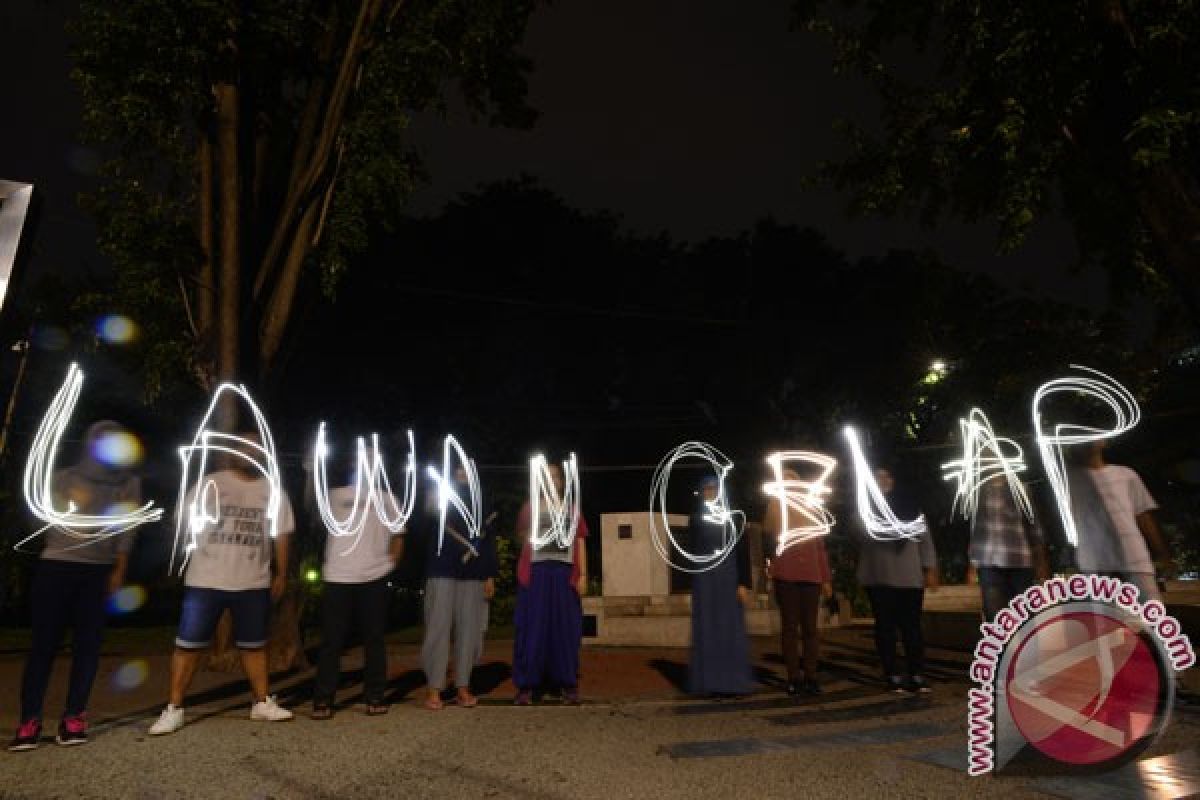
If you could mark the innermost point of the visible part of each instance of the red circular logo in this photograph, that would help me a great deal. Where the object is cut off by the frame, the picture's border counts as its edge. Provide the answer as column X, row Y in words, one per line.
column 1084, row 688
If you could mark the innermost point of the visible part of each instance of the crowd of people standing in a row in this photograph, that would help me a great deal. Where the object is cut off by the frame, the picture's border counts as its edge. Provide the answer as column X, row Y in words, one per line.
column 236, row 566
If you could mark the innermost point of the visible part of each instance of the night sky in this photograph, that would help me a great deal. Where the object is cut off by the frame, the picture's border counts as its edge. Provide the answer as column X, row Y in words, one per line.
column 695, row 117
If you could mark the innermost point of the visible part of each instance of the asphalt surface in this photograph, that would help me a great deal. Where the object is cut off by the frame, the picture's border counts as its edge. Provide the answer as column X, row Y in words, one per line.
column 635, row 736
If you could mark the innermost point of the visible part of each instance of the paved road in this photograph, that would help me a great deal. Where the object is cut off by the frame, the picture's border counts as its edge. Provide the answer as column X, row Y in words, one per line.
column 645, row 742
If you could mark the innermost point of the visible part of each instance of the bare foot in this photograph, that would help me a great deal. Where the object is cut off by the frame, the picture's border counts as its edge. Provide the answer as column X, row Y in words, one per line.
column 466, row 699
column 433, row 700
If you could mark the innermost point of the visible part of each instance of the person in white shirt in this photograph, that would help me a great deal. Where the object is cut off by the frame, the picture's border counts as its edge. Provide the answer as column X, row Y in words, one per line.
column 1114, row 520
column 355, row 588
column 231, row 568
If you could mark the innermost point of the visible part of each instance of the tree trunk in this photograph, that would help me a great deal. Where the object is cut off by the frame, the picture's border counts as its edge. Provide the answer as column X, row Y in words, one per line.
column 206, row 297
column 283, row 293
column 227, row 332
column 1170, row 207
column 229, row 286
column 285, row 648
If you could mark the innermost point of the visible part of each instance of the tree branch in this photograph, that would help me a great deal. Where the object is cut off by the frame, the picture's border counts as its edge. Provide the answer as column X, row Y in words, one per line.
column 302, row 190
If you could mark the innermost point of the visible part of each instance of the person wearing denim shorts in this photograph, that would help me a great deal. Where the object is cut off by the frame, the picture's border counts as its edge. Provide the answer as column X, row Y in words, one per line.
column 231, row 568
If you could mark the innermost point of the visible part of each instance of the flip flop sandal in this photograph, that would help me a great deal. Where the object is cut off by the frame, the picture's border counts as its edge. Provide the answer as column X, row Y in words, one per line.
column 377, row 709
column 434, row 703
column 321, row 711
column 470, row 702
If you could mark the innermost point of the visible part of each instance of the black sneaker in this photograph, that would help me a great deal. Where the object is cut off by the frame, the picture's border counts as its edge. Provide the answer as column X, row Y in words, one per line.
column 811, row 687
column 28, row 736
column 72, row 730
column 897, row 685
column 918, row 684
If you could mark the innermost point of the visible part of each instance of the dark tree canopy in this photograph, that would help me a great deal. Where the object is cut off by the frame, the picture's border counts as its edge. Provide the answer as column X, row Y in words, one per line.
column 1012, row 111
column 247, row 146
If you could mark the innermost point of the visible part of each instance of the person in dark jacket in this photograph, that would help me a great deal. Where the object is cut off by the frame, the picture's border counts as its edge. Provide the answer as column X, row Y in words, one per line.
column 720, row 656
column 460, row 579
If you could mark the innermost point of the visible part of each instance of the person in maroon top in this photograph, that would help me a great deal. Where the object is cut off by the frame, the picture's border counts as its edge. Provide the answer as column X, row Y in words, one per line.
column 801, row 576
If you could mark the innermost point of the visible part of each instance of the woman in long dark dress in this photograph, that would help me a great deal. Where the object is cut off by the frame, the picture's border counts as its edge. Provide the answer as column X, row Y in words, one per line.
column 549, row 615
column 720, row 659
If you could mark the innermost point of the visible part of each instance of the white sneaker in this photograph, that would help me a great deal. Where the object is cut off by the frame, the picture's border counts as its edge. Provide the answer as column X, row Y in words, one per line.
column 268, row 710
column 169, row 721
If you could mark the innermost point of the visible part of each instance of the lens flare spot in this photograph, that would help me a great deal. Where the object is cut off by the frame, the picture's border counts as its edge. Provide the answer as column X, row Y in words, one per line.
column 130, row 675
column 116, row 329
column 128, row 599
column 117, row 449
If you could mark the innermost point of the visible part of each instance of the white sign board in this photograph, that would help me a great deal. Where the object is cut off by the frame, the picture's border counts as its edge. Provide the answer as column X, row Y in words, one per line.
column 14, row 205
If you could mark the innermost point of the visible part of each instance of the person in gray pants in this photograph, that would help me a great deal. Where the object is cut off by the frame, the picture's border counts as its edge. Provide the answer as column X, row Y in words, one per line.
column 459, row 582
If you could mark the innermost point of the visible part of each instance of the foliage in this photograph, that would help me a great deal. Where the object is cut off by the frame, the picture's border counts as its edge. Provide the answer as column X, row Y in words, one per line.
column 1012, row 112
column 325, row 92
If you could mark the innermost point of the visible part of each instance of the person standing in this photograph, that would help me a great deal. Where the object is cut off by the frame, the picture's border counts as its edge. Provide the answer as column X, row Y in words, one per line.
column 720, row 654
column 460, row 579
column 895, row 574
column 231, row 568
column 1114, row 520
column 551, row 581
column 1007, row 550
column 355, row 590
column 800, row 576
column 71, row 586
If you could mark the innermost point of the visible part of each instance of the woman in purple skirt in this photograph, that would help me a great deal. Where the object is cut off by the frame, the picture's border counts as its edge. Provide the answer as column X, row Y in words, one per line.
column 549, row 616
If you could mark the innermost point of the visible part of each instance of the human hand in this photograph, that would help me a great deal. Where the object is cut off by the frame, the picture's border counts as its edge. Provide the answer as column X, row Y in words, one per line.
column 827, row 590
column 489, row 588
column 931, row 579
column 116, row 579
column 745, row 597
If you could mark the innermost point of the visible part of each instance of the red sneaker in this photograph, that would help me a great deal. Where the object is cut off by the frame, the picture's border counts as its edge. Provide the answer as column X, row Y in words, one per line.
column 28, row 736
column 72, row 730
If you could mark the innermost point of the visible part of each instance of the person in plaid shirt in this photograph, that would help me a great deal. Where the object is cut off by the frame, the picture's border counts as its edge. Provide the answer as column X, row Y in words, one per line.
column 1007, row 551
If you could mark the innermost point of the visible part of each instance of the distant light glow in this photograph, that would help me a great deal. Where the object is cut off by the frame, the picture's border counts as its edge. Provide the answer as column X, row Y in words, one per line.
column 468, row 509
column 38, row 483
column 877, row 516
column 118, row 449
column 717, row 511
column 1099, row 387
column 130, row 675
column 372, row 490
column 802, row 510
column 563, row 510
column 201, row 506
column 312, row 576
column 985, row 456
column 116, row 329
column 127, row 599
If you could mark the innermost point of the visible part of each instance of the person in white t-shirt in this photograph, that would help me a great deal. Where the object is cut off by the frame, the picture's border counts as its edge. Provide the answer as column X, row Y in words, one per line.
column 231, row 568
column 1118, row 535
column 355, row 587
